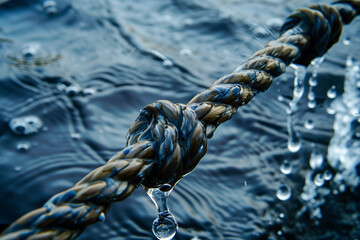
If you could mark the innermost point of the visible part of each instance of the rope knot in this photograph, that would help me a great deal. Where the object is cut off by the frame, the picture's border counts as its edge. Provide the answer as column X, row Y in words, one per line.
column 178, row 139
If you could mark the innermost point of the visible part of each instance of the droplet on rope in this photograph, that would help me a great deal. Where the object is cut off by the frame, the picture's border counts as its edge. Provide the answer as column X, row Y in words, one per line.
column 286, row 167
column 284, row 192
column 331, row 93
column 165, row 225
column 25, row 125
column 102, row 217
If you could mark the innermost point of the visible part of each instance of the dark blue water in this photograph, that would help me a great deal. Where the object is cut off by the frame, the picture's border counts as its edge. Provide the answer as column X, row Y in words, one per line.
column 81, row 70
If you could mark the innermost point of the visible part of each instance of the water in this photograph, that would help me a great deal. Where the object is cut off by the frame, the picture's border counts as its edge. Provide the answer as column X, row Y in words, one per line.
column 83, row 69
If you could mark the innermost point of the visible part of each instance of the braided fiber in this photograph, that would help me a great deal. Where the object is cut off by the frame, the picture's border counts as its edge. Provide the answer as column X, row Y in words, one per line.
column 168, row 140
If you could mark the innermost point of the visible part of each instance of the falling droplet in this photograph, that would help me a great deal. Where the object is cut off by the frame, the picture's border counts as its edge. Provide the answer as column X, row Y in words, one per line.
column 312, row 104
column 284, row 192
column 282, row 215
column 75, row 136
column 164, row 226
column 328, row 175
column 313, row 82
column 23, row 147
column 280, row 233
column 50, row 7
column 311, row 96
column 316, row 160
column 309, row 124
column 319, row 180
column 25, row 125
column 102, row 217
column 331, row 93
column 286, row 167
column 330, row 110
column 294, row 143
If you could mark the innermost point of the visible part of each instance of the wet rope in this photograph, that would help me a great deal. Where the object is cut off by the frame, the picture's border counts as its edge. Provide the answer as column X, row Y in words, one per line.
column 168, row 140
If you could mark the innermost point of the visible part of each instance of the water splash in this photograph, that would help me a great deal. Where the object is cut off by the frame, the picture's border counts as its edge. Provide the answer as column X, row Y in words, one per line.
column 165, row 225
column 313, row 82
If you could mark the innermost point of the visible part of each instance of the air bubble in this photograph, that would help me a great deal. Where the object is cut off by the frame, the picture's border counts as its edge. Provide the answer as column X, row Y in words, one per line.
column 89, row 91
column 25, row 125
column 286, row 167
column 284, row 192
column 331, row 93
column 309, row 124
column 75, row 136
column 23, row 147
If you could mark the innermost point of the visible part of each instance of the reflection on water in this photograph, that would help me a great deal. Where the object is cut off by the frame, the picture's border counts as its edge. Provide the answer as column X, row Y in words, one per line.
column 74, row 74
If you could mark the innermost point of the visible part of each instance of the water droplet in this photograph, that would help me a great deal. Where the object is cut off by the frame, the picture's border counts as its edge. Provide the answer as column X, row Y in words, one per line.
column 313, row 82
column 282, row 215
column 280, row 233
column 342, row 188
column 309, row 124
column 164, row 226
column 245, row 183
column 330, row 110
column 23, row 147
column 280, row 98
column 75, row 136
column 347, row 41
column 284, row 192
column 312, row 104
column 311, row 96
column 316, row 160
column 331, row 93
column 72, row 90
column 25, row 125
column 102, row 217
column 328, row 175
column 210, row 129
column 294, row 145
column 286, row 167
column 89, row 91
column 30, row 50
column 185, row 52
column 319, row 180
column 168, row 63
column 50, row 7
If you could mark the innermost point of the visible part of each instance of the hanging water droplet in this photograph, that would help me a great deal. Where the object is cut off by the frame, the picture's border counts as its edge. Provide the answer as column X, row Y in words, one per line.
column 313, row 82
column 328, row 175
column 330, row 110
column 294, row 144
column 312, row 104
column 164, row 226
column 311, row 96
column 319, row 180
column 284, row 192
column 286, row 167
column 331, row 93
column 346, row 41
column 25, row 125
column 50, row 7
column 23, row 147
column 309, row 124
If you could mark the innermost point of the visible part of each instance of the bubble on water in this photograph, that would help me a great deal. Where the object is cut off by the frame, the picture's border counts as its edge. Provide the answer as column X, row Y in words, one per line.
column 50, row 7
column 312, row 104
column 286, row 167
column 185, row 52
column 331, row 93
column 25, row 125
column 328, row 175
column 30, row 50
column 319, row 180
column 284, row 192
column 346, row 41
column 23, row 147
column 309, row 124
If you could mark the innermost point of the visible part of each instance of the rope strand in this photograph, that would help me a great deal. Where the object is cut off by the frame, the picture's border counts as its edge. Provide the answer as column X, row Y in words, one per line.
column 168, row 140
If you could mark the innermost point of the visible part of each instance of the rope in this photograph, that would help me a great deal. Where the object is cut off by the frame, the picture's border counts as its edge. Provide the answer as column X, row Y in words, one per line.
column 167, row 140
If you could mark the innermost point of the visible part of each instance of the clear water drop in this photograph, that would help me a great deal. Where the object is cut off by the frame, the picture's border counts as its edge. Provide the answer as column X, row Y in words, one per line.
column 286, row 167
column 284, row 192
column 313, row 82
column 280, row 98
column 328, row 175
column 330, row 110
column 316, row 160
column 168, row 63
column 309, row 124
column 50, row 7
column 331, row 93
column 281, row 215
column 311, row 96
column 72, row 90
column 319, row 180
column 312, row 104
column 25, row 125
column 294, row 144
column 23, row 147
column 75, row 136
column 165, row 225
column 185, row 52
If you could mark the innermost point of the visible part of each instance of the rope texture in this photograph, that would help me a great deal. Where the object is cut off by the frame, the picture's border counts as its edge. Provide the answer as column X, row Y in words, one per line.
column 167, row 140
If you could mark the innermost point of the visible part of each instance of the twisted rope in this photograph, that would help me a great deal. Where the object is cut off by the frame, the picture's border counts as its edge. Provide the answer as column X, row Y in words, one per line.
column 168, row 140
